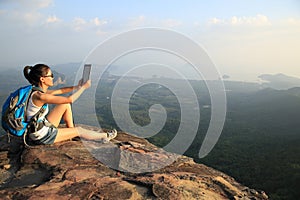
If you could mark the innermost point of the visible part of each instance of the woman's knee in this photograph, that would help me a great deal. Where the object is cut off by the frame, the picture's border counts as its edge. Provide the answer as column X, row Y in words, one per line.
column 67, row 105
column 60, row 111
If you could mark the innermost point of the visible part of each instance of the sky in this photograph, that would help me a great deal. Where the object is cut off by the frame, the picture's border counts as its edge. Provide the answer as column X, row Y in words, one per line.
column 243, row 38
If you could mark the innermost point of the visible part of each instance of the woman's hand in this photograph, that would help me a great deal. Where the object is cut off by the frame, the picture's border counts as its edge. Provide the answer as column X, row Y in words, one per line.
column 87, row 84
column 80, row 82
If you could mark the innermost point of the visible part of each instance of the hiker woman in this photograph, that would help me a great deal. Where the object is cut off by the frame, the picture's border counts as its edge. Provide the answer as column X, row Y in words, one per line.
column 47, row 131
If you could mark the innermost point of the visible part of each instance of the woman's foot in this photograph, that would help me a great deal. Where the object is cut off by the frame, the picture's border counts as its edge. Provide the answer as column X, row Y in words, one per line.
column 91, row 134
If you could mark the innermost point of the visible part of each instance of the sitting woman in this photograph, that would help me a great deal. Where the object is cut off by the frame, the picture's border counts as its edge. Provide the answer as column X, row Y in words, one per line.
column 48, row 132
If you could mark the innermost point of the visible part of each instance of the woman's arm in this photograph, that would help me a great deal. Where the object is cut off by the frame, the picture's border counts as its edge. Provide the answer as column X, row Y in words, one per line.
column 53, row 99
column 63, row 90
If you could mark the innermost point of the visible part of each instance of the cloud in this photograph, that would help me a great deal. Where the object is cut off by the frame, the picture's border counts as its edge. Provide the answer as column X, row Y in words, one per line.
column 79, row 23
column 42, row 3
column 258, row 20
column 171, row 23
column 94, row 25
column 257, row 43
column 52, row 19
column 292, row 21
column 98, row 22
column 26, row 12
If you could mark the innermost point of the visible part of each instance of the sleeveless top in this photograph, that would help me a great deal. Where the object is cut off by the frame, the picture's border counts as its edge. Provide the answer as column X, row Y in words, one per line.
column 32, row 109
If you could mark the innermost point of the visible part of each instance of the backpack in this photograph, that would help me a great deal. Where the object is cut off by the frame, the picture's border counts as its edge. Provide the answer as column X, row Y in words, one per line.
column 14, row 111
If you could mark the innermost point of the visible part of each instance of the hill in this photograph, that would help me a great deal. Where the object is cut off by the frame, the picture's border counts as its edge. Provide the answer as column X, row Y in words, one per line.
column 279, row 81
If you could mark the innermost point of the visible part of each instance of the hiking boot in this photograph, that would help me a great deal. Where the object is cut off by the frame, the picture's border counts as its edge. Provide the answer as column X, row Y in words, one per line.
column 110, row 135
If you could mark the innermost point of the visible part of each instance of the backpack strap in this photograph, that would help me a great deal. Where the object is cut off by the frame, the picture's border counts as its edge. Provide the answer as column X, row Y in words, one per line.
column 37, row 115
column 34, row 119
column 37, row 88
column 43, row 108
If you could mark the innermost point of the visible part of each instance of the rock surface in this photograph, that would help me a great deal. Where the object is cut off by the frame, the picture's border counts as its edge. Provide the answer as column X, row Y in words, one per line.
column 69, row 170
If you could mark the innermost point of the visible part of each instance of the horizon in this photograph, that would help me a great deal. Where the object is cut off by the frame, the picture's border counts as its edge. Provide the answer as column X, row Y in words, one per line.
column 243, row 39
column 259, row 80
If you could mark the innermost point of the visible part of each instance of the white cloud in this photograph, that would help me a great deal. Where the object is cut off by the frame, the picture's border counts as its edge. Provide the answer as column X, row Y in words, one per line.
column 43, row 3
column 171, row 23
column 258, row 20
column 79, row 23
column 52, row 19
column 99, row 22
column 256, row 44
column 95, row 25
column 26, row 12
column 216, row 21
column 292, row 21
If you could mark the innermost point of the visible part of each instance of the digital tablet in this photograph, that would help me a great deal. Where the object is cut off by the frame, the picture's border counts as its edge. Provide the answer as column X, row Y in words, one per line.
column 86, row 72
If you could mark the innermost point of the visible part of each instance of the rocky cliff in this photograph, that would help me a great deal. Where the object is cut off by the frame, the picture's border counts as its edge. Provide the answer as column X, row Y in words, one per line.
column 69, row 170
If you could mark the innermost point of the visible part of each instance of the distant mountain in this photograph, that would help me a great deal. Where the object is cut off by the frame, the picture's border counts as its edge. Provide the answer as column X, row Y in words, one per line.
column 241, row 87
column 294, row 91
column 279, row 81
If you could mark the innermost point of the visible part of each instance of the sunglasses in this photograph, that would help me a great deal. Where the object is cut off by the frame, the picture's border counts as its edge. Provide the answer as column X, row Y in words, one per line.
column 51, row 75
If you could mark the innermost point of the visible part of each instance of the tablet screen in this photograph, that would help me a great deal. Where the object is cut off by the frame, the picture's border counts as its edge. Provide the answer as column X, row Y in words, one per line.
column 86, row 72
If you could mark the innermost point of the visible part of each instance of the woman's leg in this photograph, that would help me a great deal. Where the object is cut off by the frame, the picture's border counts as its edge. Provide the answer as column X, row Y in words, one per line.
column 64, row 111
column 61, row 111
column 69, row 133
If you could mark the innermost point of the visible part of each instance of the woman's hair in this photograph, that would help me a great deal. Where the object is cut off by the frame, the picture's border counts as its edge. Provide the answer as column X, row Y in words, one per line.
column 33, row 74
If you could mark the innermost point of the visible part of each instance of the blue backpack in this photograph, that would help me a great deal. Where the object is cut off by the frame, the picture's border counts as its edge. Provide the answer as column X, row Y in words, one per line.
column 14, row 111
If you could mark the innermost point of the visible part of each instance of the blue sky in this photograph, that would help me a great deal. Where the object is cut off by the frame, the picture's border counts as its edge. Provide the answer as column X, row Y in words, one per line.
column 186, row 10
column 243, row 38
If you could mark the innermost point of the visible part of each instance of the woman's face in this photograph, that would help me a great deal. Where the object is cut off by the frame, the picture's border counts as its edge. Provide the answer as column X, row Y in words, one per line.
column 48, row 79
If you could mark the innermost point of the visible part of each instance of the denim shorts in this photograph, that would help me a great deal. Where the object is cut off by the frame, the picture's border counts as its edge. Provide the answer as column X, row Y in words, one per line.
column 49, row 138
column 50, row 135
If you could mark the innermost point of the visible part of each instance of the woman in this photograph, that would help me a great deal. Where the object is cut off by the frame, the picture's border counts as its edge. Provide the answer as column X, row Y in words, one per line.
column 41, row 76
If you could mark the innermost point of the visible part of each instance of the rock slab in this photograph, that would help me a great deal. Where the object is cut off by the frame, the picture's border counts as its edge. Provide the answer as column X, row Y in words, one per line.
column 69, row 170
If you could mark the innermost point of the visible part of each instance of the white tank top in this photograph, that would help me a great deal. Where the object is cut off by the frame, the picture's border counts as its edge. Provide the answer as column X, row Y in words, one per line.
column 32, row 109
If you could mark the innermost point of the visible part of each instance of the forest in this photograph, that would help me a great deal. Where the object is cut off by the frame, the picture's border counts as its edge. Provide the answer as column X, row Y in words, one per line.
column 259, row 144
